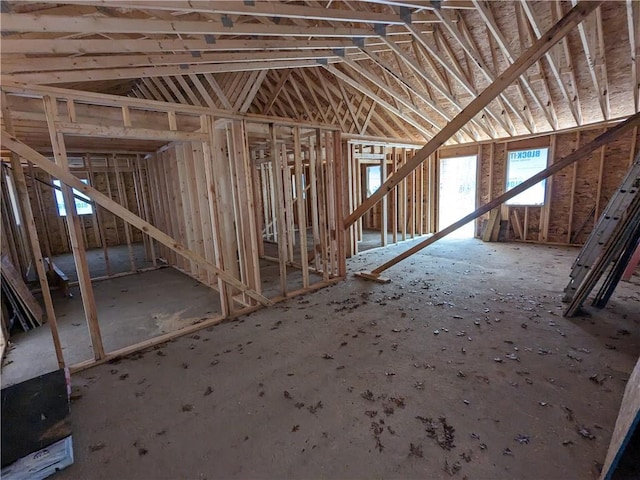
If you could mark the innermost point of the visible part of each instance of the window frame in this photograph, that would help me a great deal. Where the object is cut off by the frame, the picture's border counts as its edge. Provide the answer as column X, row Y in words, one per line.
column 59, row 199
column 366, row 180
column 543, row 202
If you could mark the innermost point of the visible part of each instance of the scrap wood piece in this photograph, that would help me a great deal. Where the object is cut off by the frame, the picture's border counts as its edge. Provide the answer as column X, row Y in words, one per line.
column 65, row 176
column 627, row 422
column 22, row 292
column 602, row 139
column 373, row 276
column 517, row 227
column 57, row 277
column 493, row 224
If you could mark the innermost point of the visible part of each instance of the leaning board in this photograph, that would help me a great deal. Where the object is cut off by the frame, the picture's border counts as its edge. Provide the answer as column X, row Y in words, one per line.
column 628, row 420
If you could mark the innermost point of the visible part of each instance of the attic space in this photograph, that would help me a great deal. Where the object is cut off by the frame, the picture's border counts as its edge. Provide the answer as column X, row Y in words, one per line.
column 320, row 239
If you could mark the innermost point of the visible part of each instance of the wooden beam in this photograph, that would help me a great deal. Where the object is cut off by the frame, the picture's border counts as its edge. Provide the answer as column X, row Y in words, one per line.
column 195, row 81
column 71, row 180
column 186, row 88
column 402, row 80
column 465, row 42
column 18, row 64
column 174, row 89
column 553, row 65
column 311, row 90
column 603, row 139
column 248, row 100
column 634, row 43
column 362, row 88
column 595, row 60
column 556, row 13
column 102, row 131
column 276, row 91
column 456, row 73
column 161, row 71
column 73, row 224
column 213, row 83
column 64, row 46
column 528, row 58
column 254, row 9
column 485, row 12
column 27, row 22
column 301, row 206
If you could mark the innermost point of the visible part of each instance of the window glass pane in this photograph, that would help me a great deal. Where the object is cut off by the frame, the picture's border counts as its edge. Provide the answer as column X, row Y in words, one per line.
column 82, row 207
column 12, row 199
column 522, row 165
column 374, row 180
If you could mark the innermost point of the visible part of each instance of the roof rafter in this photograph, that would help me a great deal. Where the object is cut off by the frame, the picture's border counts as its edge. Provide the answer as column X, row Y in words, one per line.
column 487, row 16
column 574, row 107
column 592, row 26
column 634, row 42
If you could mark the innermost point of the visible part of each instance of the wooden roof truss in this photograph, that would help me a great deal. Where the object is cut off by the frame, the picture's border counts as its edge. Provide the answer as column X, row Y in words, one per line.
column 401, row 69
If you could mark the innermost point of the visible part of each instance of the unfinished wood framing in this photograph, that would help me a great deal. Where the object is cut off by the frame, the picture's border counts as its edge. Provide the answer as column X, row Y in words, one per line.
column 206, row 225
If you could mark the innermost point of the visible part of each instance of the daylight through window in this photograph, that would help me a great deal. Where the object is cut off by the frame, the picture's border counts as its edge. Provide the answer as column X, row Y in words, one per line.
column 522, row 165
column 82, row 207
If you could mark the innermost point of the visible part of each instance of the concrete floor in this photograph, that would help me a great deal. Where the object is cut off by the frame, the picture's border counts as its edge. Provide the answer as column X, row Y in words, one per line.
column 372, row 239
column 119, row 261
column 462, row 366
column 131, row 309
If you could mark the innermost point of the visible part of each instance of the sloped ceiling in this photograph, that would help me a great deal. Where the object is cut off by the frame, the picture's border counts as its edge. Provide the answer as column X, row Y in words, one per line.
column 401, row 69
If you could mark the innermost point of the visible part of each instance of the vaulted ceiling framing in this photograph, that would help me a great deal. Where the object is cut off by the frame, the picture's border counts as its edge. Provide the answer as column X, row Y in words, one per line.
column 399, row 69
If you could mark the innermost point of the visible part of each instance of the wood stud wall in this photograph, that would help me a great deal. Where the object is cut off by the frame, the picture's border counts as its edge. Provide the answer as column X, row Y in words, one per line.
column 235, row 193
column 196, row 203
column 407, row 211
column 575, row 197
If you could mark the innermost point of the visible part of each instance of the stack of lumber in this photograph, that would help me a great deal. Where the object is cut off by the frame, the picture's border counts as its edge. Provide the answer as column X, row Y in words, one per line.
column 26, row 309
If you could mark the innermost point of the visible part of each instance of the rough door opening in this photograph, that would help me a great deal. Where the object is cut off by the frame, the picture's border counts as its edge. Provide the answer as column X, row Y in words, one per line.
column 457, row 192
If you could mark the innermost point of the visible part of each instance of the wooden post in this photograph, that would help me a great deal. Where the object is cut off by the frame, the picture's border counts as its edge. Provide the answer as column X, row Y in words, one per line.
column 384, row 207
column 322, row 203
column 99, row 218
column 209, row 149
column 574, row 176
column 313, row 192
column 77, row 245
column 394, row 198
column 277, row 165
column 45, row 224
column 548, row 198
column 32, row 233
column 341, row 204
column 122, row 196
column 115, row 219
column 302, row 217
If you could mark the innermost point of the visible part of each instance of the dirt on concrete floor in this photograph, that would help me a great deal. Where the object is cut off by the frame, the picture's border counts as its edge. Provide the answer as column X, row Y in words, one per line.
column 462, row 367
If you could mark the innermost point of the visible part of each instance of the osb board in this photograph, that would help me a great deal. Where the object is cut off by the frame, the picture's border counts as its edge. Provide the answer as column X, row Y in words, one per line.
column 561, row 190
column 628, row 420
column 563, row 215
column 586, row 190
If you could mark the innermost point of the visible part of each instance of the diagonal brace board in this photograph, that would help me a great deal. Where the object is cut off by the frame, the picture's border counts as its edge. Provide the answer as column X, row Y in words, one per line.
column 526, row 60
column 580, row 153
column 71, row 180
